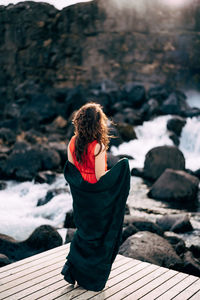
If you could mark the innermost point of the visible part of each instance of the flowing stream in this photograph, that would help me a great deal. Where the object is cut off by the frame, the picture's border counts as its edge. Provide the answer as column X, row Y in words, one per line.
column 19, row 214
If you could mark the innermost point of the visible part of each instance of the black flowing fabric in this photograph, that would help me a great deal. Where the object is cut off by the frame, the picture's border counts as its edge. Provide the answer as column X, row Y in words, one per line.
column 98, row 215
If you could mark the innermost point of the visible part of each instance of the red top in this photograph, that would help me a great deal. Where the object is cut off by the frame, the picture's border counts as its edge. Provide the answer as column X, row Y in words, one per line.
column 87, row 168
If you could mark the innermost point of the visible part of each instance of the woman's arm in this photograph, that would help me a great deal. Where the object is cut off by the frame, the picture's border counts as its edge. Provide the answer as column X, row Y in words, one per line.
column 69, row 155
column 100, row 162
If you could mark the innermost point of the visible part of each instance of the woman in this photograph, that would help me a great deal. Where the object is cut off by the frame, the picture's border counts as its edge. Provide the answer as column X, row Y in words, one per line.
column 99, row 199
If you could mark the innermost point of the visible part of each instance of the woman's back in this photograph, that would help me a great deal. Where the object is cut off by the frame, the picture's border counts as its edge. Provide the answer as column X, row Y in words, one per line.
column 87, row 167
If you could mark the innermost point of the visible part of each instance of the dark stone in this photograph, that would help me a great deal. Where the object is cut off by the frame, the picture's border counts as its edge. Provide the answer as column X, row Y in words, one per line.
column 51, row 194
column 137, row 172
column 143, row 224
column 175, row 185
column 4, row 260
column 43, row 238
column 7, row 136
column 70, row 235
column 195, row 249
column 3, row 185
column 179, row 223
column 75, row 99
column 134, row 94
column 127, row 210
column 177, row 243
column 176, row 125
column 128, row 231
column 175, row 104
column 174, row 138
column 159, row 93
column 197, row 173
column 152, row 248
column 69, row 220
column 45, row 177
column 191, row 264
column 126, row 132
column 150, row 109
column 160, row 158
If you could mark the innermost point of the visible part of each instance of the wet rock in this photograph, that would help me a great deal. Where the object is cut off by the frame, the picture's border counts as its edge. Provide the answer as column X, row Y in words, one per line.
column 176, row 125
column 159, row 93
column 69, row 220
column 45, row 177
column 150, row 109
column 3, row 185
column 174, row 138
column 195, row 249
column 43, row 238
column 197, row 173
column 175, row 104
column 139, row 172
column 128, row 231
column 70, row 235
column 115, row 139
column 7, row 136
column 179, row 223
column 152, row 248
column 51, row 194
column 126, row 132
column 135, row 94
column 4, row 260
column 175, row 185
column 177, row 243
column 75, row 99
column 142, row 224
column 127, row 210
column 160, row 158
column 191, row 264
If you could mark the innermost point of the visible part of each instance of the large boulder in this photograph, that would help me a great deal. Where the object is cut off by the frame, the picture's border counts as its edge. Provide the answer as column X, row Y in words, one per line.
column 175, row 185
column 43, row 238
column 152, row 248
column 175, row 104
column 160, row 158
column 135, row 94
column 178, row 223
column 142, row 224
column 191, row 264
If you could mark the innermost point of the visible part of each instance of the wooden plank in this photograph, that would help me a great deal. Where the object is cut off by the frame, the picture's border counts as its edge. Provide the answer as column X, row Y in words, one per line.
column 145, row 289
column 30, row 264
column 175, row 290
column 134, row 286
column 124, row 282
column 196, row 296
column 165, row 286
column 32, row 269
column 87, row 294
column 30, row 281
column 189, row 291
column 33, row 258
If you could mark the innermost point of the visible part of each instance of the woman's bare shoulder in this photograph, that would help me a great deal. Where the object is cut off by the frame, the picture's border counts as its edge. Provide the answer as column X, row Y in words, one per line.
column 98, row 147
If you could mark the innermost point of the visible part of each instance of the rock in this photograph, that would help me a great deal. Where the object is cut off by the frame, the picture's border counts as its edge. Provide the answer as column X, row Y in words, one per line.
column 3, row 185
column 7, row 136
column 70, row 235
column 191, row 264
column 69, row 220
column 160, row 158
column 142, row 224
column 135, row 94
column 152, row 248
column 128, row 231
column 45, row 177
column 175, row 104
column 137, row 172
column 175, row 185
column 197, row 173
column 132, row 116
column 126, row 132
column 127, row 210
column 179, row 223
column 150, row 109
column 76, row 97
column 43, row 238
column 51, row 194
column 159, row 93
column 176, row 125
column 4, row 260
column 195, row 249
column 174, row 138
column 177, row 243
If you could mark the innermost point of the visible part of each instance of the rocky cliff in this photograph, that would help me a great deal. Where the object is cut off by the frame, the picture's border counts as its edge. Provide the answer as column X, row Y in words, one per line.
column 145, row 41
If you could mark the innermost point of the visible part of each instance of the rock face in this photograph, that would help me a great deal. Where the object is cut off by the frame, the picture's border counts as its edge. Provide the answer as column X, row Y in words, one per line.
column 150, row 247
column 175, row 186
column 44, row 47
column 160, row 158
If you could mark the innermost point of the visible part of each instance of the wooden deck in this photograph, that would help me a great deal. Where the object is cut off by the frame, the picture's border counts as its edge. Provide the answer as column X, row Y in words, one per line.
column 38, row 277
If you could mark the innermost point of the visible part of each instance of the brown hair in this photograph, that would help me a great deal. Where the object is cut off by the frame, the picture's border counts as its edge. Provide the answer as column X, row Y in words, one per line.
column 90, row 124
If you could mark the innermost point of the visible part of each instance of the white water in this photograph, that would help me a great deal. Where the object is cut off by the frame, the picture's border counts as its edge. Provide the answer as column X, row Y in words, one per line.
column 19, row 214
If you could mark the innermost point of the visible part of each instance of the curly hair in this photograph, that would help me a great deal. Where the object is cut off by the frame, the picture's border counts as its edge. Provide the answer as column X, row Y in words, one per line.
column 90, row 123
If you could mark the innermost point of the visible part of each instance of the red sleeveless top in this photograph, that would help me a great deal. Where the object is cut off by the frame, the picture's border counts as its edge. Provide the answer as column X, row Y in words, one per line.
column 87, row 168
